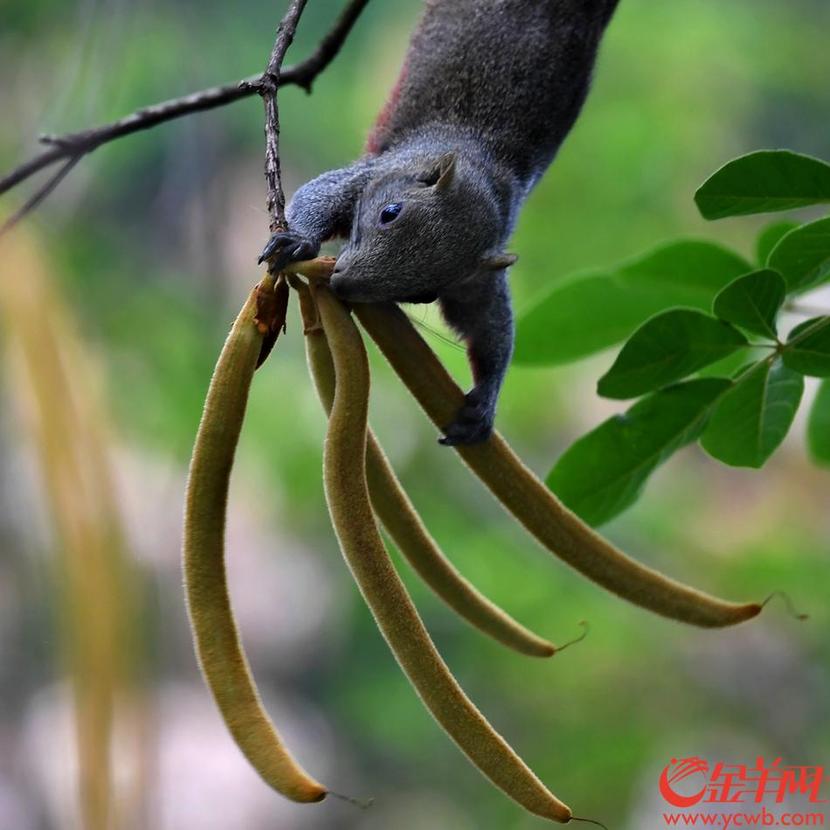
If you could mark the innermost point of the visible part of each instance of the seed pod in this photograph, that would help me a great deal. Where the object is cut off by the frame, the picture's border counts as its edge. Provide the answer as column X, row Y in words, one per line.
column 272, row 308
column 218, row 646
column 351, row 512
column 398, row 515
column 528, row 499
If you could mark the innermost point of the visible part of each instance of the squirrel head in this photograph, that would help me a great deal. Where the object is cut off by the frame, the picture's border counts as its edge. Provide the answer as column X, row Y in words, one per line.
column 417, row 231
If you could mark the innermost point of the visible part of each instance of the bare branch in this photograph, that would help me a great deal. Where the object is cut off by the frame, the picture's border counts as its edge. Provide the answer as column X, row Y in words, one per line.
column 267, row 87
column 76, row 145
column 329, row 47
column 51, row 183
column 30, row 167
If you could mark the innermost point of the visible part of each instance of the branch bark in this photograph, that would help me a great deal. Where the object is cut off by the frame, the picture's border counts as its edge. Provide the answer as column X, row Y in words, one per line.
column 267, row 86
column 40, row 194
column 75, row 145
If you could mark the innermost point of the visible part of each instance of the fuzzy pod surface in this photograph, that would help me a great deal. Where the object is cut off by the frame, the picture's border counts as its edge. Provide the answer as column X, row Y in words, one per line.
column 396, row 616
column 218, row 645
column 401, row 520
column 528, row 499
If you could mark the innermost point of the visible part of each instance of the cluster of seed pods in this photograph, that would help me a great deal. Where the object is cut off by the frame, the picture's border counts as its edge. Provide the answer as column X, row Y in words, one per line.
column 362, row 490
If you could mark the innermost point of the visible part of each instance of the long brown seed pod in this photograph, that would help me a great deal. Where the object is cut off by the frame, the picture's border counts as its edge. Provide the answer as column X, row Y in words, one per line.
column 351, row 512
column 398, row 515
column 528, row 499
column 218, row 646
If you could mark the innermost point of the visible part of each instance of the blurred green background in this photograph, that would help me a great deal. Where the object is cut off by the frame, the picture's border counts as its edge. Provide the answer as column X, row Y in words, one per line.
column 153, row 242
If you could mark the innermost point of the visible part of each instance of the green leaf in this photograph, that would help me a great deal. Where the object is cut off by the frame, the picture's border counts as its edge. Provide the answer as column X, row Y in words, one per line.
column 818, row 425
column 692, row 269
column 605, row 471
column 752, row 302
column 666, row 348
column 770, row 237
column 803, row 255
column 808, row 348
column 591, row 312
column 729, row 366
column 580, row 317
column 764, row 181
column 754, row 416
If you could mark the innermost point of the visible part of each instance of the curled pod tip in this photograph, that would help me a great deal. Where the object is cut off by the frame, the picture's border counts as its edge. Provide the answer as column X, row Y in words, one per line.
column 218, row 646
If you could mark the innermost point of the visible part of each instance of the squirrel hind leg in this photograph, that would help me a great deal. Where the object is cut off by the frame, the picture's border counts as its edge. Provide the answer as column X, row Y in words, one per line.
column 474, row 422
column 482, row 315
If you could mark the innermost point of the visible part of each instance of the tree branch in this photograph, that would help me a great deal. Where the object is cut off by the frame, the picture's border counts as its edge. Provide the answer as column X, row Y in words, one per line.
column 40, row 194
column 78, row 144
column 267, row 87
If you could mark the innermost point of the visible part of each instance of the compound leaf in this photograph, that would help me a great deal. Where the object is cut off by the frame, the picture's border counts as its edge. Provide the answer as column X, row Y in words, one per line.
column 666, row 348
column 590, row 312
column 818, row 425
column 753, row 417
column 803, row 256
column 752, row 302
column 605, row 471
column 808, row 348
column 764, row 181
column 769, row 237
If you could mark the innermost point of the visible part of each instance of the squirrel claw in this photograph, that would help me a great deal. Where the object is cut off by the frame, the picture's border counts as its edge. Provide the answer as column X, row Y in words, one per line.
column 286, row 247
column 472, row 425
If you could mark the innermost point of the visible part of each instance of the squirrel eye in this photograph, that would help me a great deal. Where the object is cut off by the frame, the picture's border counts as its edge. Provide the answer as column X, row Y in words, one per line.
column 390, row 213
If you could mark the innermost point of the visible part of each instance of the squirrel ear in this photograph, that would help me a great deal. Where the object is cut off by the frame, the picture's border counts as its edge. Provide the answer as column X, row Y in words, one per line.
column 441, row 173
column 498, row 261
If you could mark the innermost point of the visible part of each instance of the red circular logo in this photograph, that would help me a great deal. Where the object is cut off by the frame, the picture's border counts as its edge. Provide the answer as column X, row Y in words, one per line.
column 677, row 771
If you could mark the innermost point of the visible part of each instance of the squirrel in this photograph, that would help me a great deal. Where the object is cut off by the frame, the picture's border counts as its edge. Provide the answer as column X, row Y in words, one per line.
column 487, row 94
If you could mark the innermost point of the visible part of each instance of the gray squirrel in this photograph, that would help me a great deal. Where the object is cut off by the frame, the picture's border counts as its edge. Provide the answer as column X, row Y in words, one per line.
column 488, row 92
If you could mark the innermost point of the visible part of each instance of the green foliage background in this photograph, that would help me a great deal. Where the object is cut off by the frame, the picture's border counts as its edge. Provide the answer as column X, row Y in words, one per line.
column 154, row 241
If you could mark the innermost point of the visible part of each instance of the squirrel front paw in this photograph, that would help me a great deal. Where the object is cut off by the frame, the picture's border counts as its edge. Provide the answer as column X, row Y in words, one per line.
column 474, row 422
column 286, row 247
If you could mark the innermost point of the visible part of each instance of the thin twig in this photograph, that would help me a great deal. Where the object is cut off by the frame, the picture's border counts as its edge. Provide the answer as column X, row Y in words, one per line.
column 267, row 86
column 40, row 194
column 78, row 144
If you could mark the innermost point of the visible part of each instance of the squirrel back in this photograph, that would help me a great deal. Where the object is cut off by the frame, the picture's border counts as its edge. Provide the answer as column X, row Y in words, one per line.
column 513, row 73
column 488, row 92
